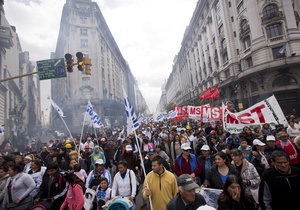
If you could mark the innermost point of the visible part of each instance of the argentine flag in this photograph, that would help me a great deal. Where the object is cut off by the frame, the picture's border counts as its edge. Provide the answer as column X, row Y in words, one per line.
column 132, row 121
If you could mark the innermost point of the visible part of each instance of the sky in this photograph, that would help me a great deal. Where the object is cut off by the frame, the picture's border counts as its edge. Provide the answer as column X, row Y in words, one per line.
column 147, row 32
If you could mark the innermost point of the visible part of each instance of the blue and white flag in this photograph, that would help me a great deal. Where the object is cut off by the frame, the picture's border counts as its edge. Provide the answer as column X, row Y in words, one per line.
column 158, row 117
column 1, row 131
column 60, row 112
column 132, row 121
column 95, row 119
column 171, row 114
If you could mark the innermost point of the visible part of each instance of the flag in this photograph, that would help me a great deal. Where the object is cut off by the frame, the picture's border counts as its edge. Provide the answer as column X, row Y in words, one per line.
column 215, row 93
column 1, row 131
column 60, row 112
column 282, row 49
column 158, row 117
column 93, row 116
column 132, row 120
column 206, row 94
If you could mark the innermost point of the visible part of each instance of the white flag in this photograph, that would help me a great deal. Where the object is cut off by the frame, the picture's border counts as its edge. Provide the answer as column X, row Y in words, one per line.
column 93, row 116
column 132, row 120
column 60, row 112
column 282, row 49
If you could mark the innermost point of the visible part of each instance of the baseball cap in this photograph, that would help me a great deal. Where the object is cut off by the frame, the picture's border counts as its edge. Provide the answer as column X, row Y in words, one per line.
column 271, row 138
column 186, row 181
column 99, row 161
column 128, row 147
column 205, row 147
column 206, row 207
column 185, row 146
column 258, row 142
column 151, row 151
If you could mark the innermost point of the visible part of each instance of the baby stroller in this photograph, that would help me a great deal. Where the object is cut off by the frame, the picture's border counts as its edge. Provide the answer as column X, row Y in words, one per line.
column 44, row 204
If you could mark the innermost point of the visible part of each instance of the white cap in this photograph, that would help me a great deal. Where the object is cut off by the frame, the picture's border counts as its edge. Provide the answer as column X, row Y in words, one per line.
column 206, row 207
column 185, row 146
column 258, row 142
column 271, row 138
column 205, row 147
column 99, row 161
column 128, row 147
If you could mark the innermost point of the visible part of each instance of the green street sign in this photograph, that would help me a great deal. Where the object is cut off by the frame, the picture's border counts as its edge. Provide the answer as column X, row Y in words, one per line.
column 52, row 68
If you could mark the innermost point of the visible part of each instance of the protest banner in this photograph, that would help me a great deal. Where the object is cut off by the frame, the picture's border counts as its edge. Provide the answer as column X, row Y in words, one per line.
column 266, row 111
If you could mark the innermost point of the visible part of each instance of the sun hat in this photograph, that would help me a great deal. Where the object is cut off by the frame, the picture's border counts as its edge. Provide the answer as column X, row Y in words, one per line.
column 185, row 146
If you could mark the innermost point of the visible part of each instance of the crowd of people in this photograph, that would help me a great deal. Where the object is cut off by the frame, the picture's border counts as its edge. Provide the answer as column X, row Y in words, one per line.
column 168, row 162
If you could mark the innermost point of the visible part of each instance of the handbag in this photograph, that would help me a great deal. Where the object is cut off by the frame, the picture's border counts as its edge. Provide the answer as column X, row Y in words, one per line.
column 25, row 204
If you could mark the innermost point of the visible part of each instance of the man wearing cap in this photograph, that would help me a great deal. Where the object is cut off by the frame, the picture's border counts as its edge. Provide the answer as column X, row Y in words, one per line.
column 206, row 159
column 187, row 198
column 99, row 171
column 160, row 184
column 271, row 145
column 131, row 159
column 262, row 160
column 148, row 162
column 187, row 163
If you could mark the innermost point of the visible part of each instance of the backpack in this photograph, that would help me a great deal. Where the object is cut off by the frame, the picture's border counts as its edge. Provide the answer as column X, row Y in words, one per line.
column 137, row 185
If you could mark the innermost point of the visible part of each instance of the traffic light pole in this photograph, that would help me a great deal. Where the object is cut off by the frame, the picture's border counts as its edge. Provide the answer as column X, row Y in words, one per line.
column 19, row 76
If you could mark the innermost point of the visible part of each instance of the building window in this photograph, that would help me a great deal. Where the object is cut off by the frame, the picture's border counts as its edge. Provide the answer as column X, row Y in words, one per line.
column 274, row 30
column 86, row 94
column 254, row 87
column 270, row 11
column 227, row 73
column 278, row 52
column 83, row 19
column 85, row 81
column 244, row 25
column 225, row 57
column 249, row 62
column 221, row 29
column 247, row 42
column 223, row 45
column 284, row 80
column 84, row 43
column 240, row 7
column 83, row 32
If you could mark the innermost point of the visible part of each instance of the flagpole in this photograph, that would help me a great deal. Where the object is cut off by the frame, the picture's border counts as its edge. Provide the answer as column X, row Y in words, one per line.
column 67, row 128
column 143, row 167
column 81, row 135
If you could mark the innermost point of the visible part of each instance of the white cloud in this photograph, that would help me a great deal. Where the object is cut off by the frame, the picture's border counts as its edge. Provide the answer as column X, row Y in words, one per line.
column 148, row 33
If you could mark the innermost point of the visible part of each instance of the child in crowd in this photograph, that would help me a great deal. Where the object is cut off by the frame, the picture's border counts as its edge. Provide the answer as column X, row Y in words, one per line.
column 246, row 149
column 81, row 173
column 103, row 192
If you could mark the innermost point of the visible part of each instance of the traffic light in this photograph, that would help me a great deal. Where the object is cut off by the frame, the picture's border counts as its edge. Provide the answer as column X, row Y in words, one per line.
column 69, row 61
column 88, row 64
column 80, row 61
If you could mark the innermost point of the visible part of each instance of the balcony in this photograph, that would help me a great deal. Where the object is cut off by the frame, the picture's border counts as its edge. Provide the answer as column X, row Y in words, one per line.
column 244, row 32
column 6, row 37
column 275, row 16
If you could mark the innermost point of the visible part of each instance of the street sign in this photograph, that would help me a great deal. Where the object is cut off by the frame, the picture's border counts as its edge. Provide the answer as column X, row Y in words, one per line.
column 52, row 68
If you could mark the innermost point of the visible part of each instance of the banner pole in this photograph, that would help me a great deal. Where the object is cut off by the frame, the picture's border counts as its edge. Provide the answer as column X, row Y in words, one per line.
column 143, row 167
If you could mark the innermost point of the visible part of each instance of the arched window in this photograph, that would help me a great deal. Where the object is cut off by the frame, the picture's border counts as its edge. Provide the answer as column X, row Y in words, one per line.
column 270, row 11
column 284, row 80
column 254, row 87
column 244, row 25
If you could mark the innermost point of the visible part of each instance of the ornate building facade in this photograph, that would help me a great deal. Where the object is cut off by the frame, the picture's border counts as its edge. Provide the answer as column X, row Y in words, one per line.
column 249, row 48
column 84, row 29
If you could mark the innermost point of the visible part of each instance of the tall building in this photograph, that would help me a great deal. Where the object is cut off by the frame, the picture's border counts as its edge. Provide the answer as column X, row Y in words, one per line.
column 84, row 29
column 250, row 49
column 19, row 96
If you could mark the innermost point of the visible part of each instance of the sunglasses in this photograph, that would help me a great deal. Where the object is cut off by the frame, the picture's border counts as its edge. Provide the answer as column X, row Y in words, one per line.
column 186, row 150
